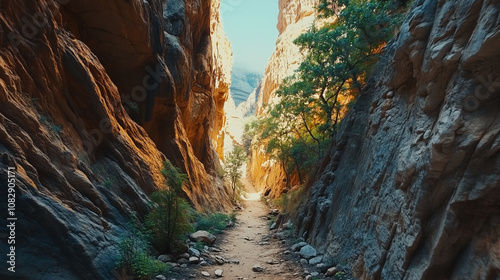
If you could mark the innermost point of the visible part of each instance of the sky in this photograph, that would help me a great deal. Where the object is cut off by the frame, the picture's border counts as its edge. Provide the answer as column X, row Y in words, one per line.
column 250, row 25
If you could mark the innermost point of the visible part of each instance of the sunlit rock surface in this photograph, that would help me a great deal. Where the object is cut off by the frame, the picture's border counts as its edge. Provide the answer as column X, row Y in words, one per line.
column 69, row 74
column 411, row 188
column 295, row 18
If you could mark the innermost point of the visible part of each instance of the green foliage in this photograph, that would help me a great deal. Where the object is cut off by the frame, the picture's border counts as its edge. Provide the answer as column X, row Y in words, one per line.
column 233, row 163
column 134, row 257
column 313, row 101
column 170, row 217
column 213, row 222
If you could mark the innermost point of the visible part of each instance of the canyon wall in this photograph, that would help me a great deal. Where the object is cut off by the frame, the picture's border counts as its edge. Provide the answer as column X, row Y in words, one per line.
column 94, row 97
column 295, row 17
column 411, row 188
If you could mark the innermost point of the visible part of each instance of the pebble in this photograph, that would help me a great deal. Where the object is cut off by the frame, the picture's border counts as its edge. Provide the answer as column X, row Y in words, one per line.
column 194, row 252
column 203, row 263
column 307, row 252
column 331, row 271
column 182, row 261
column 316, row 260
column 160, row 277
column 257, row 268
column 308, row 277
column 184, row 256
column 206, row 274
column 297, row 246
column 218, row 273
column 194, row 260
column 164, row 258
column 303, row 261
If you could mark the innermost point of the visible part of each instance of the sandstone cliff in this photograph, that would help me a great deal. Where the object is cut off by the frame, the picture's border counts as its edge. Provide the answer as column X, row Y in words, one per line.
column 295, row 17
column 71, row 74
column 411, row 188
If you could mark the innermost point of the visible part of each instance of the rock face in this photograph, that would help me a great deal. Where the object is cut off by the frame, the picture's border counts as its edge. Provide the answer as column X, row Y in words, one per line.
column 243, row 84
column 410, row 189
column 68, row 78
column 295, row 17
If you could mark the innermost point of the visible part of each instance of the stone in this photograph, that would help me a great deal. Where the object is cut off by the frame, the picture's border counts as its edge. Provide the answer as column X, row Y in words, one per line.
column 203, row 236
column 164, row 258
column 205, row 273
column 160, row 277
column 194, row 252
column 194, row 260
column 257, row 268
column 309, row 277
column 203, row 263
column 182, row 261
column 314, row 274
column 297, row 246
column 218, row 273
column 183, row 256
column 331, row 271
column 273, row 226
column 322, row 267
column 307, row 252
column 316, row 260
column 303, row 261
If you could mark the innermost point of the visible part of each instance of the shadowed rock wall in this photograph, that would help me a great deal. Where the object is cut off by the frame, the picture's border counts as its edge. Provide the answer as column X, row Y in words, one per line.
column 411, row 188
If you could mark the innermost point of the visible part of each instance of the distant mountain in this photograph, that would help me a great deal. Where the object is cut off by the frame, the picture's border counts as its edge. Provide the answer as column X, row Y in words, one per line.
column 243, row 84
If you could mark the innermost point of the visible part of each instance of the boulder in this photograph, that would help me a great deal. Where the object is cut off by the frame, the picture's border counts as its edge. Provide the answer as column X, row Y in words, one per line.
column 297, row 246
column 194, row 252
column 203, row 236
column 307, row 252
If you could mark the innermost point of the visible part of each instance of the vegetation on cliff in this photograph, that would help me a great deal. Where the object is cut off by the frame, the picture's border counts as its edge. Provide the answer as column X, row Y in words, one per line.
column 340, row 54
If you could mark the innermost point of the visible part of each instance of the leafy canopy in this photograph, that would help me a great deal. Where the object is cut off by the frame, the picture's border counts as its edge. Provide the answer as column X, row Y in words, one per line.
column 313, row 101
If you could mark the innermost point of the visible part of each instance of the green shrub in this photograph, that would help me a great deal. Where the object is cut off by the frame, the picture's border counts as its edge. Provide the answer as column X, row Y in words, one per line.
column 133, row 251
column 214, row 222
column 147, row 267
column 170, row 217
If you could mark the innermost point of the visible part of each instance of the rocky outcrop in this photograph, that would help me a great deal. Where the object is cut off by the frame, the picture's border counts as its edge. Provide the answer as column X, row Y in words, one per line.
column 223, row 62
column 94, row 97
column 243, row 84
column 295, row 17
column 411, row 188
column 170, row 74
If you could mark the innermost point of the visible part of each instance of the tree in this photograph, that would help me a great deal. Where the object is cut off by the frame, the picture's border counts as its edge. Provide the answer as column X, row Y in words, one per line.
column 233, row 163
column 313, row 101
column 169, row 219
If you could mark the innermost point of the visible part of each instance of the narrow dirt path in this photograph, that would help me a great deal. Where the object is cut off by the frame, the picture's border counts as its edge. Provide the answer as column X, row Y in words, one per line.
column 249, row 244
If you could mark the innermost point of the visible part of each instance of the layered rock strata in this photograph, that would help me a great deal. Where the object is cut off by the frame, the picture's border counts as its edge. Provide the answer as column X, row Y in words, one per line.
column 94, row 97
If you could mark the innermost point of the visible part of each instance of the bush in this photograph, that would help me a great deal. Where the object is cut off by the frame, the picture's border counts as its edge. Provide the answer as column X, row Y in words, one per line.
column 214, row 222
column 133, row 251
column 170, row 218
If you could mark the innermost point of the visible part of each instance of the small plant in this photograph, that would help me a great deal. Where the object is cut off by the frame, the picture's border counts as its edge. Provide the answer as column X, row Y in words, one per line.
column 133, row 252
column 214, row 222
column 199, row 246
column 234, row 161
column 340, row 275
column 109, row 182
column 170, row 217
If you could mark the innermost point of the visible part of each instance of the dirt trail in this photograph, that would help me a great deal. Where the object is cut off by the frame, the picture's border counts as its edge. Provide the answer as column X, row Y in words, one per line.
column 251, row 244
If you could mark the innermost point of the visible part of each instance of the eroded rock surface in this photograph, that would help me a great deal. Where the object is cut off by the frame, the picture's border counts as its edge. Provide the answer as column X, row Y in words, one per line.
column 295, row 17
column 411, row 188
column 72, row 72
